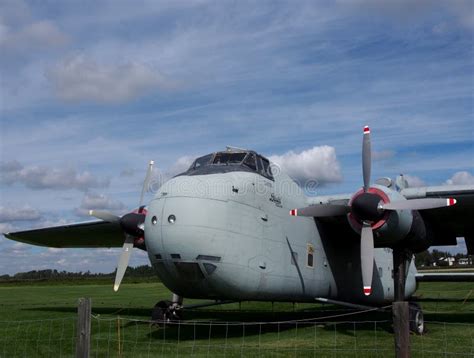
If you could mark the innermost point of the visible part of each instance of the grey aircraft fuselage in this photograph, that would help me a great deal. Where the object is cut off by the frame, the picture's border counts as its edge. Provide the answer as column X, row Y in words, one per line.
column 232, row 238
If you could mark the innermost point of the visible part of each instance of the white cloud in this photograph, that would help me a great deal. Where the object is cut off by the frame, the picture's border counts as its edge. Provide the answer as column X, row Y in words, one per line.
column 464, row 11
column 37, row 35
column 461, row 178
column 41, row 177
column 6, row 227
column 17, row 250
column 181, row 165
column 21, row 258
column 18, row 214
column 92, row 201
column 317, row 163
column 48, row 223
column 159, row 177
column 403, row 11
column 82, row 79
column 414, row 181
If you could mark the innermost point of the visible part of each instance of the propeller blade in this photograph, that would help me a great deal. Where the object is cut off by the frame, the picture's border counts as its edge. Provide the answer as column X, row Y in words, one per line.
column 321, row 210
column 367, row 257
column 146, row 181
column 419, row 204
column 104, row 215
column 366, row 158
column 123, row 261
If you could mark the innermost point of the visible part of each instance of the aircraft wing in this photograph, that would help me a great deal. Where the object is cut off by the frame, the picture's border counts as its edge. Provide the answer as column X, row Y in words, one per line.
column 86, row 234
column 446, row 223
column 452, row 222
column 445, row 277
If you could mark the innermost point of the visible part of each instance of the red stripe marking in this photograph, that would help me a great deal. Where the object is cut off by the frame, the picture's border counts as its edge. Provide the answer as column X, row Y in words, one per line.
column 451, row 201
column 366, row 129
column 367, row 291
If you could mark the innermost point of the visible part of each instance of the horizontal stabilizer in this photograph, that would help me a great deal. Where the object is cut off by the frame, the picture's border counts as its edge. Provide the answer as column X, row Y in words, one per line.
column 87, row 234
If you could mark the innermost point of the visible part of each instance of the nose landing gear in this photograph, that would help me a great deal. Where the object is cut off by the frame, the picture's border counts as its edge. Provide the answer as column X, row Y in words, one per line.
column 168, row 311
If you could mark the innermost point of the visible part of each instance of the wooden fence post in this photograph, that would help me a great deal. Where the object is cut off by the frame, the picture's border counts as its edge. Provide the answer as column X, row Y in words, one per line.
column 83, row 328
column 401, row 329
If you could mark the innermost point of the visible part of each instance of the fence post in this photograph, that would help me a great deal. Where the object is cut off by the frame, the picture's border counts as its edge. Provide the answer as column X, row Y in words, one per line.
column 401, row 329
column 83, row 328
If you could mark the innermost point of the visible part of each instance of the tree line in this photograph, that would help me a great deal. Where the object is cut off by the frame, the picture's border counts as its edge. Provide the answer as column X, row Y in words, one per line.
column 132, row 272
column 427, row 258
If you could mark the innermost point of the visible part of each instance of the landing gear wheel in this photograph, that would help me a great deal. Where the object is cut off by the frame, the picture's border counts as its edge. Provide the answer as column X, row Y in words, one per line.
column 417, row 322
column 160, row 312
column 165, row 312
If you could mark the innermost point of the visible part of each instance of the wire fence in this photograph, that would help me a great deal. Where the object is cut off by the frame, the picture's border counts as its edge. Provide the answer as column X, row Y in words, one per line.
column 128, row 337
column 34, row 338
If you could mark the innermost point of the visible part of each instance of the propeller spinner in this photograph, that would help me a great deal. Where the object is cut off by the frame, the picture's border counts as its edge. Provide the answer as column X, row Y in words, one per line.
column 132, row 227
column 369, row 208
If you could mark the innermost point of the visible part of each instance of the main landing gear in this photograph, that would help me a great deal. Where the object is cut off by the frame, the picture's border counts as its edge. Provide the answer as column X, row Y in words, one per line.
column 168, row 311
column 417, row 322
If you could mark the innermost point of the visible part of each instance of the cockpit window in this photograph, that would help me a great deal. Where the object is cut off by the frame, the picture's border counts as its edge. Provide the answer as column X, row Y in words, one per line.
column 228, row 158
column 224, row 162
column 199, row 162
column 264, row 167
column 250, row 161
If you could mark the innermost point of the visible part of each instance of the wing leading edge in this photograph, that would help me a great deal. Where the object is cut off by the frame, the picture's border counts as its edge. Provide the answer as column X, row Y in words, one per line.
column 446, row 224
column 87, row 234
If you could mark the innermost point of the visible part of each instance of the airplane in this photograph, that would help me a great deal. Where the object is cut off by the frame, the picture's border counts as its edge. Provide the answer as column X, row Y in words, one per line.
column 235, row 227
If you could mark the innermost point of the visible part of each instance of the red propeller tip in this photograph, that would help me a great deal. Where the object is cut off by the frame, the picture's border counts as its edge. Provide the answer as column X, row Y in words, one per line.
column 366, row 130
column 451, row 201
column 367, row 290
column 294, row 212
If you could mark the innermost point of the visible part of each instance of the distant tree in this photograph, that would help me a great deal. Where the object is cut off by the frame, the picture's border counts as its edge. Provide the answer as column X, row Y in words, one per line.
column 424, row 258
column 132, row 272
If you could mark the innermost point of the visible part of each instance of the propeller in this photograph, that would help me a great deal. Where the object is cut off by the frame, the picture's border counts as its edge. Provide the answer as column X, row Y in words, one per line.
column 321, row 210
column 366, row 234
column 132, row 226
column 105, row 216
column 367, row 256
column 123, row 260
column 368, row 207
column 366, row 158
column 146, row 182
column 418, row 204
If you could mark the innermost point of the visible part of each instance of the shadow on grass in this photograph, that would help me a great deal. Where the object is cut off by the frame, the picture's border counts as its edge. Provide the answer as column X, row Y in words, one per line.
column 444, row 300
column 458, row 317
column 194, row 331
column 232, row 323
column 235, row 315
column 139, row 312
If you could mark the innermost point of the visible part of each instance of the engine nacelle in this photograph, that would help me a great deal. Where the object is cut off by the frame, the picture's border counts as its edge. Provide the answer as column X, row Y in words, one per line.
column 390, row 227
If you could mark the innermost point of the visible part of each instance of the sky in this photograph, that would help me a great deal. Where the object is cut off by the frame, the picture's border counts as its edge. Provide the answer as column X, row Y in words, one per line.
column 90, row 91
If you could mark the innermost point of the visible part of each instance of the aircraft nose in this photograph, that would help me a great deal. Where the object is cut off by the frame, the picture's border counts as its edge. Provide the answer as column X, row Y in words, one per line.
column 185, row 244
column 191, row 225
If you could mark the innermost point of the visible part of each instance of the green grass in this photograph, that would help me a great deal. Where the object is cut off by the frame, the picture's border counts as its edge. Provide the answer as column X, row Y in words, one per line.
column 39, row 320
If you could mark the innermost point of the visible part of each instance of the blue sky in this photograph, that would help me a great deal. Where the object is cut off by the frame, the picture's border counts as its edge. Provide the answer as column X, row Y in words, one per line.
column 91, row 91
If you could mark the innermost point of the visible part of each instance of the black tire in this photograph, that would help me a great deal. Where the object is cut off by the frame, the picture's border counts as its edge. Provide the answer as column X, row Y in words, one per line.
column 160, row 312
column 176, row 315
column 163, row 313
column 417, row 322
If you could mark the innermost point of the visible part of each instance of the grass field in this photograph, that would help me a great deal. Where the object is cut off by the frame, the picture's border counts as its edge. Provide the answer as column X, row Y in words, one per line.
column 39, row 320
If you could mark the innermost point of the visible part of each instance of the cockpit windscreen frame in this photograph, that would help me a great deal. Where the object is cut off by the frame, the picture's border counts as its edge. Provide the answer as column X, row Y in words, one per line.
column 226, row 161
